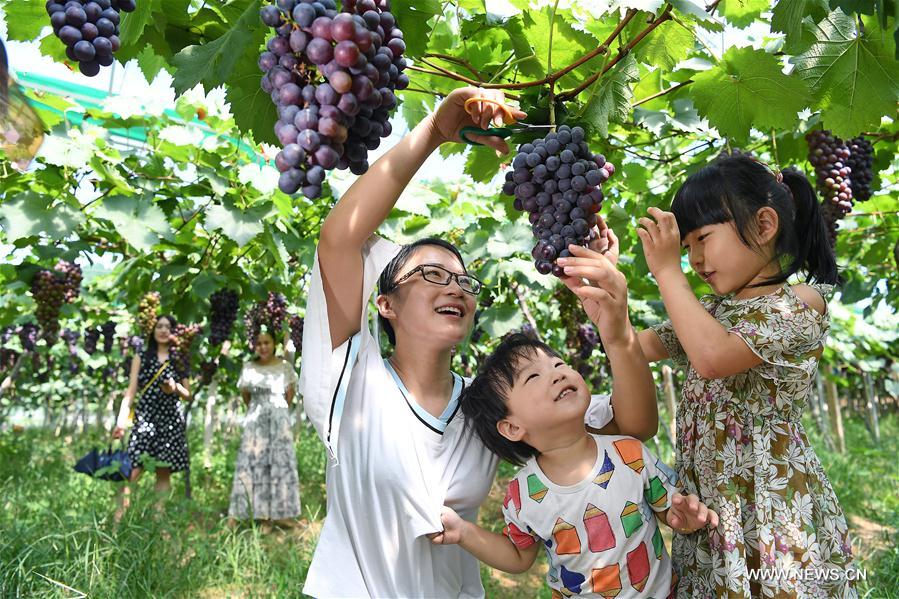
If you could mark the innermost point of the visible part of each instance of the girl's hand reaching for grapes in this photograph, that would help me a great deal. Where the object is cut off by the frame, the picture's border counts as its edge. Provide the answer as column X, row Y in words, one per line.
column 451, row 116
column 661, row 242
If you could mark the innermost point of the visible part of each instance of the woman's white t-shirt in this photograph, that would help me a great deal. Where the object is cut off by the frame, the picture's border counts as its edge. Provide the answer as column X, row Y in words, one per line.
column 390, row 471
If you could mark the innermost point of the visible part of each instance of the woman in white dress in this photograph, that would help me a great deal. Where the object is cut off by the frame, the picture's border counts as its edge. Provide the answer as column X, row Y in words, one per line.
column 266, row 484
column 399, row 449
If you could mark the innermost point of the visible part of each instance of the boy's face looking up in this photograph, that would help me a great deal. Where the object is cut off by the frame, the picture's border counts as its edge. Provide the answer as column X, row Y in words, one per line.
column 547, row 397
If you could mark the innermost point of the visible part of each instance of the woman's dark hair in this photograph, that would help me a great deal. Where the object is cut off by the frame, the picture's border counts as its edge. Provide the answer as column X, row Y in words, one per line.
column 734, row 188
column 152, row 346
column 390, row 272
column 484, row 401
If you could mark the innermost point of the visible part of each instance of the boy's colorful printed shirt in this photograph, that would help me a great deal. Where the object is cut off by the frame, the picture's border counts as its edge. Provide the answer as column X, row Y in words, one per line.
column 600, row 535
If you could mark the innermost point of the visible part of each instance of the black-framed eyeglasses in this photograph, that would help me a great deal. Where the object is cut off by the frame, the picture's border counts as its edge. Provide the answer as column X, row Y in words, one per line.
column 438, row 275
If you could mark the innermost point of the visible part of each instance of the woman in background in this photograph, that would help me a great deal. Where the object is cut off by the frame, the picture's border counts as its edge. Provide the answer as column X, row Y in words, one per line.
column 266, row 483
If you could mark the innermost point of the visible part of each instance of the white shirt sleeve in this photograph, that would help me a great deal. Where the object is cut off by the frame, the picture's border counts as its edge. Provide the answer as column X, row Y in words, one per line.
column 599, row 412
column 325, row 371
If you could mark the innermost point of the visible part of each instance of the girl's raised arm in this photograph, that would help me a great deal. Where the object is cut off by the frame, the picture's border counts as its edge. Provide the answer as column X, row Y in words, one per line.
column 370, row 199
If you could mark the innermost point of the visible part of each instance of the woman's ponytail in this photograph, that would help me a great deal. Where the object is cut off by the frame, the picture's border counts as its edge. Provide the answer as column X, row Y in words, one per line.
column 814, row 253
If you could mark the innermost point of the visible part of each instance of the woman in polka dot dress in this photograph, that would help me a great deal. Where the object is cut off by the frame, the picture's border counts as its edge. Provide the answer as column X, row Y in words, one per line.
column 159, row 419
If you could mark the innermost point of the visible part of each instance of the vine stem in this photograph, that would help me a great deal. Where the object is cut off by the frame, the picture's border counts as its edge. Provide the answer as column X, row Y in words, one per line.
column 523, row 304
column 553, row 76
column 665, row 16
column 669, row 90
column 454, row 59
column 549, row 68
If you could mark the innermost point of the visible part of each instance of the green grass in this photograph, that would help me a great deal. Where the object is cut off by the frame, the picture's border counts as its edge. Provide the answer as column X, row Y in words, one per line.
column 57, row 538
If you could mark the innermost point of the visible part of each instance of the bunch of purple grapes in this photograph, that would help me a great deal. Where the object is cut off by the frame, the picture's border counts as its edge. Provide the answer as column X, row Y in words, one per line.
column 28, row 336
column 51, row 289
column 296, row 332
column 588, row 337
column 861, row 165
column 136, row 343
column 71, row 338
column 182, row 338
column 107, row 329
column 91, row 337
column 223, row 305
column 557, row 180
column 271, row 314
column 208, row 370
column 89, row 29
column 332, row 76
column 844, row 172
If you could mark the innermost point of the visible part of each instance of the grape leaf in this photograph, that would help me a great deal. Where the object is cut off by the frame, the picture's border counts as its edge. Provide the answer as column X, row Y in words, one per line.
column 498, row 319
column 240, row 227
column 748, row 89
column 150, row 63
column 482, row 162
column 28, row 214
column 25, row 19
column 413, row 17
column 787, row 18
column 212, row 63
column 512, row 237
column 865, row 7
column 742, row 13
column 137, row 219
column 612, row 97
column 668, row 45
column 854, row 75
column 527, row 61
column 254, row 110
column 133, row 23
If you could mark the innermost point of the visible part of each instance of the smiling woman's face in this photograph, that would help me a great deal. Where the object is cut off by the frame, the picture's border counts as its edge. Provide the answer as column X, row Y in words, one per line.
column 162, row 332
column 426, row 311
column 265, row 346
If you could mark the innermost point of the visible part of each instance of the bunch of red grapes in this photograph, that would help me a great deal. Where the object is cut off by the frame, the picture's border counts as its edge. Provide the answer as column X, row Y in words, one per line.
column 332, row 76
column 269, row 314
column 843, row 173
column 51, row 289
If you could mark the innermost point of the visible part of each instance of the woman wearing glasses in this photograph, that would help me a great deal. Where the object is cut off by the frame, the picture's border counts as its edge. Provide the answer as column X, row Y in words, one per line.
column 398, row 447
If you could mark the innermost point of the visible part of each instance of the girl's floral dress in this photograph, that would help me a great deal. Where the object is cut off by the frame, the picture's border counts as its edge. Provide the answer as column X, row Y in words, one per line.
column 742, row 449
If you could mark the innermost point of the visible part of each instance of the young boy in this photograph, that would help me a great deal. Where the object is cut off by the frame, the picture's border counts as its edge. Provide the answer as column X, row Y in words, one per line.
column 590, row 500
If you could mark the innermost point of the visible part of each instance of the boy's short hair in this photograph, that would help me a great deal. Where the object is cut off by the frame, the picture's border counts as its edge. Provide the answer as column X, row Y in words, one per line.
column 484, row 400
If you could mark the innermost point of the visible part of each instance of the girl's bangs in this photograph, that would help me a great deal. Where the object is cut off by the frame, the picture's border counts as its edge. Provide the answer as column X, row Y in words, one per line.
column 701, row 201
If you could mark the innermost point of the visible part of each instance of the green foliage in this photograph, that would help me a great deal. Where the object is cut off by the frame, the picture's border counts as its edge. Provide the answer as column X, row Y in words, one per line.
column 747, row 89
column 851, row 72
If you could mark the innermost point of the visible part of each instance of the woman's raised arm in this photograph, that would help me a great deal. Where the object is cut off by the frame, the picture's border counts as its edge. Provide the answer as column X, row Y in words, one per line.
column 370, row 199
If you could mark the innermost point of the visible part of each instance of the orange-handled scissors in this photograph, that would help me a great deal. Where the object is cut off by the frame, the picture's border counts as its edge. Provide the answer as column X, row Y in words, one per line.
column 511, row 126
